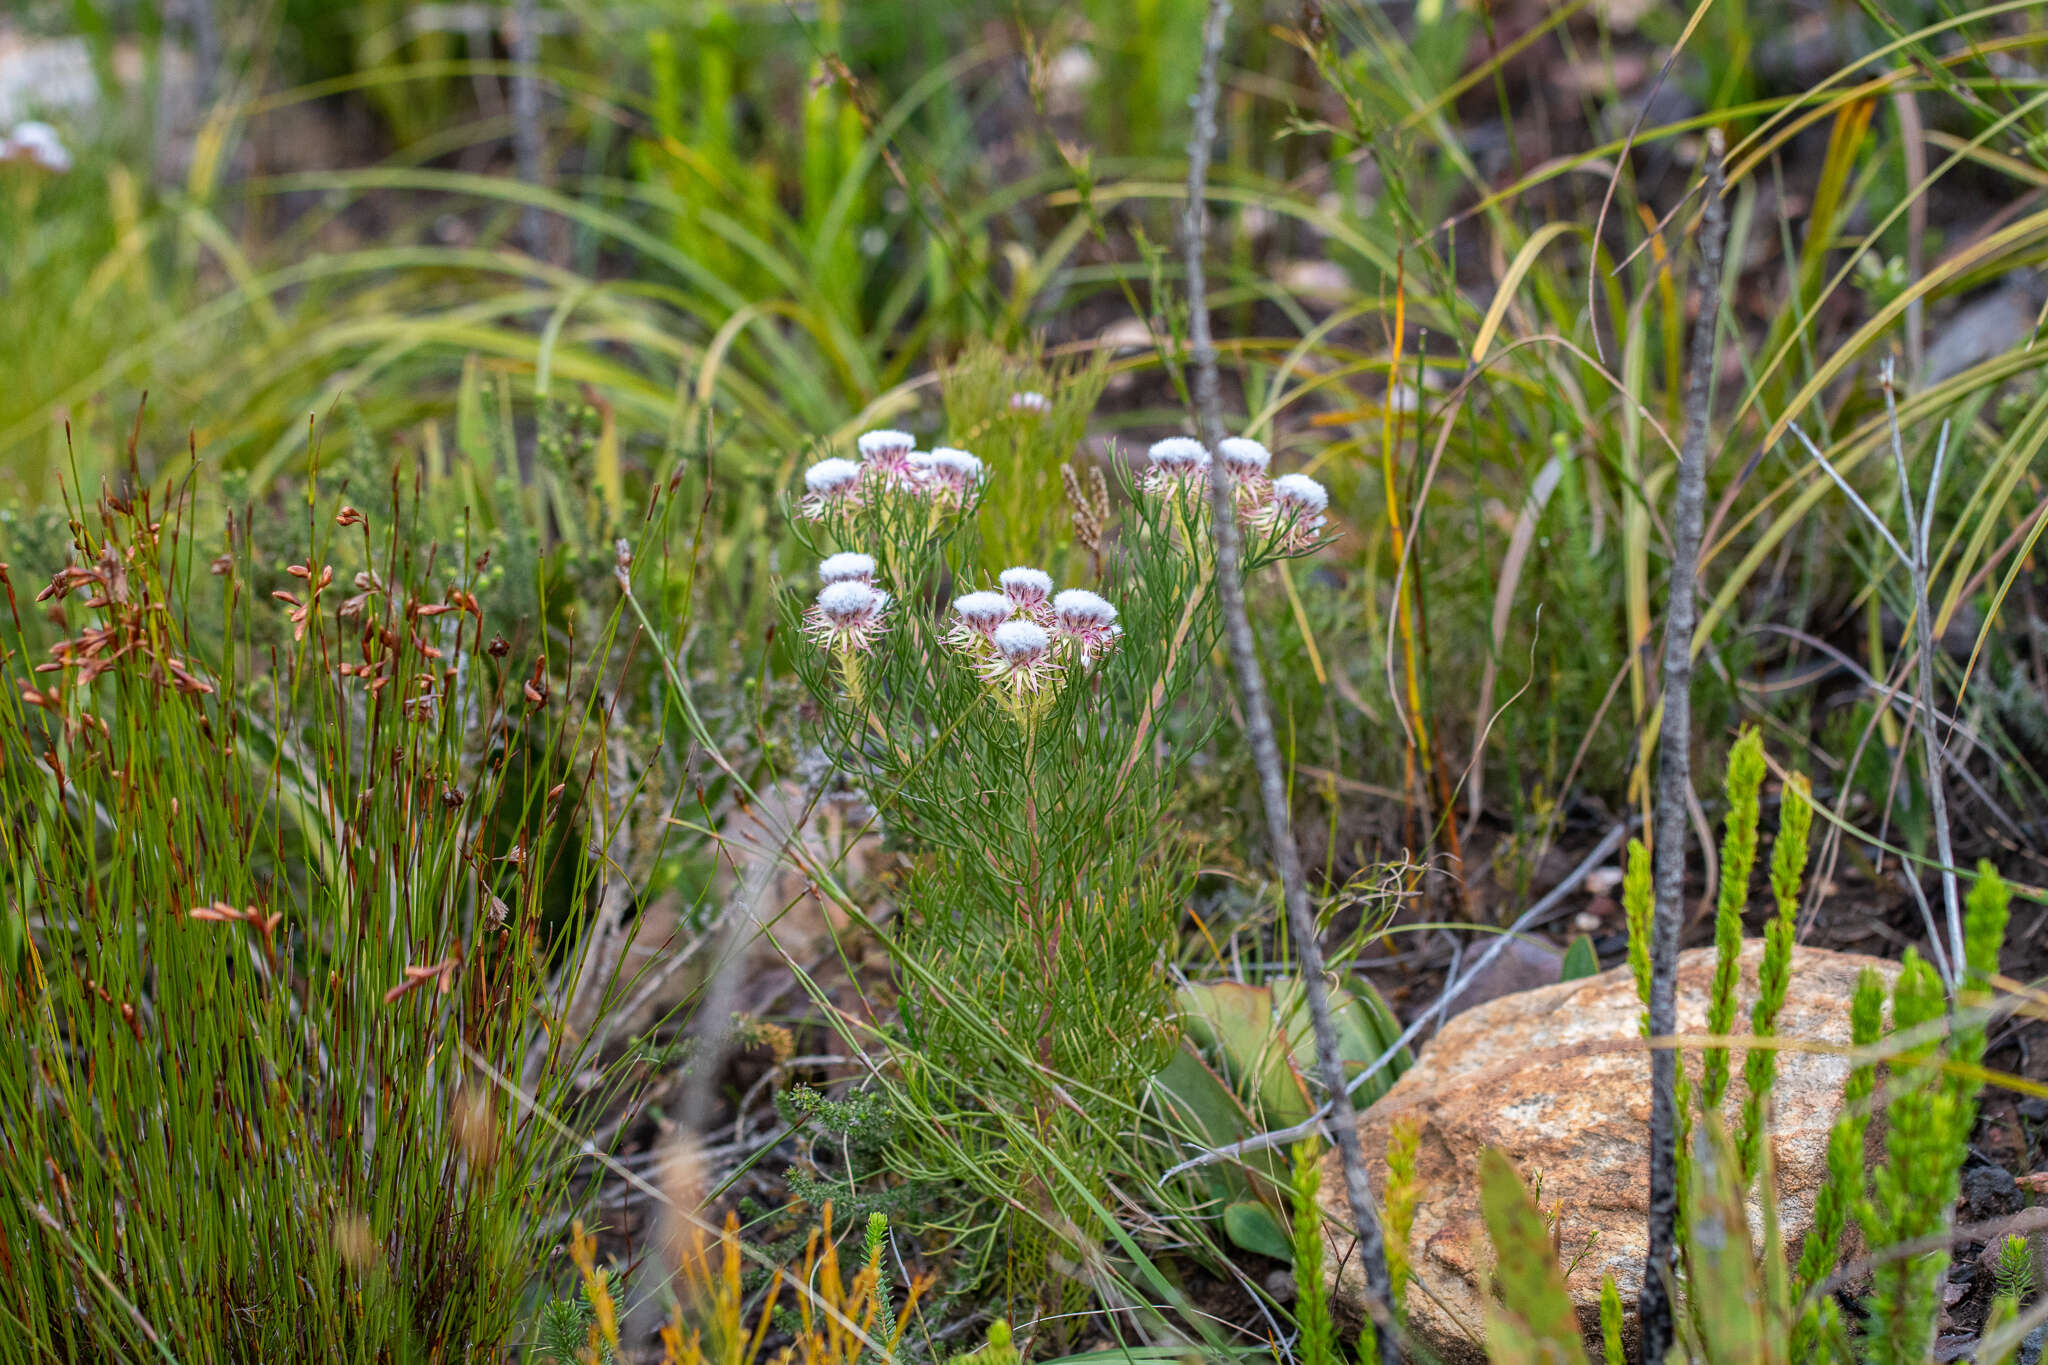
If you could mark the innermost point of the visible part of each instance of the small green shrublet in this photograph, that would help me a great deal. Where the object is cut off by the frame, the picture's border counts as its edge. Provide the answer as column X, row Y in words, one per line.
column 1021, row 737
column 2012, row 1270
column 1738, row 857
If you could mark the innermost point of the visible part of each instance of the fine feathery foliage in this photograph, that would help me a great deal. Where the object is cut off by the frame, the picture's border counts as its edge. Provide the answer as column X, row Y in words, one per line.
column 1788, row 871
column 1317, row 1342
column 1738, row 855
column 1404, row 1137
column 1843, row 1192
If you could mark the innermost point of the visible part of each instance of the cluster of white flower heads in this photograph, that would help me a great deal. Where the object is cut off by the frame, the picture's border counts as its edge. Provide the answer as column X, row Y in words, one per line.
column 1022, row 635
column 1030, row 402
column 1291, row 506
column 891, row 462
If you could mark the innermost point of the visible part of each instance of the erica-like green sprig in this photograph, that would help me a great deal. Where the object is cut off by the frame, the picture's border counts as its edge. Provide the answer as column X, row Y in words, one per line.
column 1788, row 869
column 1738, row 857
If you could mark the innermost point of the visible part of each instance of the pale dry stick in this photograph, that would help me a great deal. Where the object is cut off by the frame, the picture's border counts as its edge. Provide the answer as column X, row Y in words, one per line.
column 526, row 135
column 1893, row 698
column 605, row 939
column 1621, row 164
column 1923, row 714
column 1258, row 724
column 1918, row 531
column 1913, row 146
column 1454, row 986
column 1855, row 498
column 1674, row 769
column 206, row 42
column 763, row 858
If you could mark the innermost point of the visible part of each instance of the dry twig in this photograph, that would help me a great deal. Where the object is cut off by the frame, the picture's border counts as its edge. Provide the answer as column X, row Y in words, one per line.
column 1258, row 723
column 1674, row 770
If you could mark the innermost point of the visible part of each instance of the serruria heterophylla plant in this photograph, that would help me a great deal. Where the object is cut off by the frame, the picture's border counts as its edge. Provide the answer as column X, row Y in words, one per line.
column 1019, row 740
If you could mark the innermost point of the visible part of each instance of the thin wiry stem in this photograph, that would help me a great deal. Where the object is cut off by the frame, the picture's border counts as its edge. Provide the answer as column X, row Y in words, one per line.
column 1918, row 529
column 1258, row 724
column 1855, row 498
column 1674, row 772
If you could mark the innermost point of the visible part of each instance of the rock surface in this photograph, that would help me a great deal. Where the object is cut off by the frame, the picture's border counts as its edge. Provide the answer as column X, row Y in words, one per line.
column 1558, row 1080
column 1523, row 965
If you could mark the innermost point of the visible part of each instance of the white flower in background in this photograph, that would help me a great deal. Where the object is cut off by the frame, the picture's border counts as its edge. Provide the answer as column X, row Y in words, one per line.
column 976, row 615
column 1023, row 662
column 1088, row 620
column 950, row 475
column 847, row 568
column 1247, row 461
column 1030, row 401
column 37, row 144
column 829, row 484
column 1298, row 493
column 847, row 616
column 1177, row 462
column 1297, row 508
column 1029, row 591
column 1244, row 457
column 887, row 455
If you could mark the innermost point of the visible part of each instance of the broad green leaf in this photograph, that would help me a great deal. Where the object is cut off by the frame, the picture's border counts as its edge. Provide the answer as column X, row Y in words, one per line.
column 1252, row 1226
column 1580, row 960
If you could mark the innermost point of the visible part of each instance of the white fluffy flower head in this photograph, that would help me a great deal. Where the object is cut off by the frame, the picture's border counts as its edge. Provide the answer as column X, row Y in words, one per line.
column 847, row 568
column 949, row 475
column 888, row 453
column 1031, row 401
column 885, row 444
column 829, row 484
column 1022, row 661
column 1088, row 620
column 1178, row 456
column 847, row 615
column 1078, row 607
column 977, row 616
column 830, row 477
column 1296, row 510
column 1300, row 493
column 950, row 463
column 1021, row 642
column 983, row 610
column 1176, row 463
column 1028, row 589
column 1243, row 457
